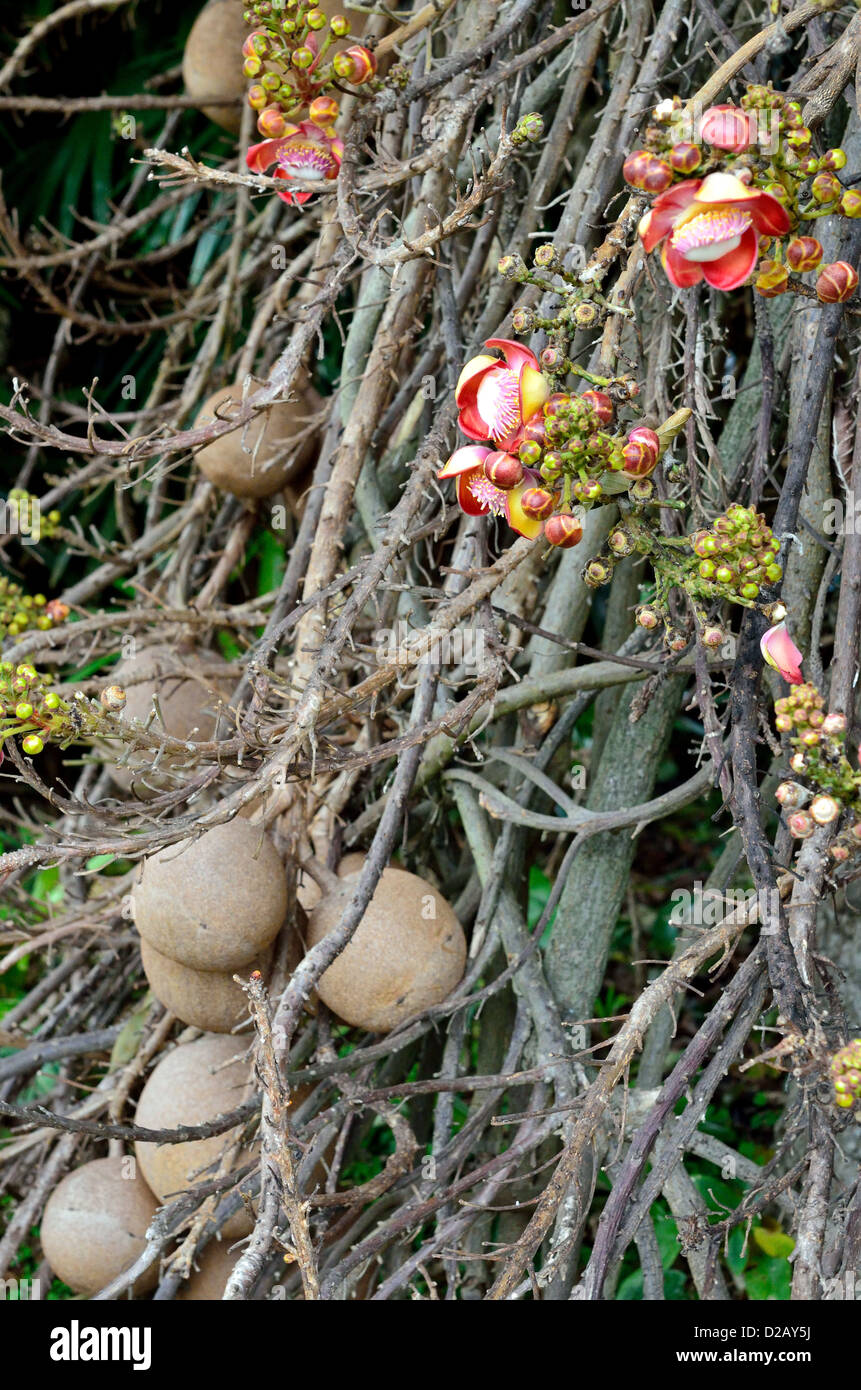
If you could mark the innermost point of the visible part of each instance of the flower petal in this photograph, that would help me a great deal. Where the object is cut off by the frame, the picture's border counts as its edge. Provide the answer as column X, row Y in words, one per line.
column 679, row 271
column 667, row 207
column 769, row 216
column 515, row 354
column 516, row 517
column 262, row 156
column 534, row 390
column 471, row 375
column 781, row 652
column 733, row 269
column 465, row 460
column 465, row 499
column 726, row 188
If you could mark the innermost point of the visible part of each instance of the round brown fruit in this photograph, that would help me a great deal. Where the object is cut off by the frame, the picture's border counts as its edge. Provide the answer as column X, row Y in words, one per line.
column 407, row 954
column 208, row 999
column 257, row 459
column 212, row 61
column 209, row 1281
column 213, row 903
column 189, row 696
column 192, row 1085
column 94, row 1225
column 309, row 892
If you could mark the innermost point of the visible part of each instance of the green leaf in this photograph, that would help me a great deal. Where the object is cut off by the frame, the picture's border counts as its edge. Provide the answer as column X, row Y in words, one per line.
column 129, row 1037
column 776, row 1244
column 769, row 1280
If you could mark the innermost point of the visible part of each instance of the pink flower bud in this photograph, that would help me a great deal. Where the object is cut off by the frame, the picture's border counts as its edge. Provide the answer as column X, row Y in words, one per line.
column 271, row 122
column 504, row 470
column 356, row 65
column 537, row 502
column 323, row 111
column 563, row 530
column 641, row 452
column 727, row 128
column 685, row 157
column 601, row 404
column 837, row 281
column 804, row 253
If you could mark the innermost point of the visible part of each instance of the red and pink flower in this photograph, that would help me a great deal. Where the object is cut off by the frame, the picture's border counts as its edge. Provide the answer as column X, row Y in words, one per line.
column 710, row 228
column 306, row 151
column 496, row 399
column 478, row 496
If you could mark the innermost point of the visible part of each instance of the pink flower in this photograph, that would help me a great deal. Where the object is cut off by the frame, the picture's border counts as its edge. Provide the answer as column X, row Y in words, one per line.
column 781, row 652
column 497, row 398
column 477, row 495
column 727, row 128
column 710, row 228
column 305, row 151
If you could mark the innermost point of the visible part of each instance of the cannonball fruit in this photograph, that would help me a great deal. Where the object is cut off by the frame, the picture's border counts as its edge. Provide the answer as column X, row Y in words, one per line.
column 214, row 903
column 207, row 999
column 209, row 1280
column 189, row 695
column 407, row 954
column 95, row 1223
column 309, row 892
column 212, row 61
column 257, row 459
column 192, row 1085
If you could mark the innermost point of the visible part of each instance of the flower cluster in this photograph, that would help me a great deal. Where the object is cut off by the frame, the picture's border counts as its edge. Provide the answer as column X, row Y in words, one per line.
column 756, row 181
column 732, row 561
column 290, row 56
column 549, row 451
column 846, row 1074
column 831, row 790
column 20, row 611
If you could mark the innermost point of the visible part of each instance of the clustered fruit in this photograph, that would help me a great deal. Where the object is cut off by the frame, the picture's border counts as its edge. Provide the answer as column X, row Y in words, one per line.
column 289, row 55
column 834, row 788
column 24, row 516
column 20, row 611
column 846, row 1074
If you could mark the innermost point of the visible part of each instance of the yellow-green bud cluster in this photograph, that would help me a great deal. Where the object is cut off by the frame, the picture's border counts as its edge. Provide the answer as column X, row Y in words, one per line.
column 29, row 708
column 20, row 611
column 737, row 556
column 846, row 1074
column 24, row 516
